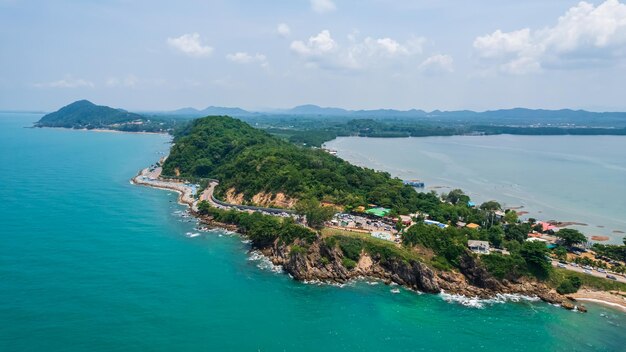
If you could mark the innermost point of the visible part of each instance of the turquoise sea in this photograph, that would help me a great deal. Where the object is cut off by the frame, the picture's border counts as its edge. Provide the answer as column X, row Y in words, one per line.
column 89, row 262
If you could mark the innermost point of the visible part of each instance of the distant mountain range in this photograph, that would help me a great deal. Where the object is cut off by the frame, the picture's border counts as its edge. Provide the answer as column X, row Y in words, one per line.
column 84, row 114
column 314, row 110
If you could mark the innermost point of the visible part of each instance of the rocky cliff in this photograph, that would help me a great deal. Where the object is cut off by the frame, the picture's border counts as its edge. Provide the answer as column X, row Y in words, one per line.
column 318, row 261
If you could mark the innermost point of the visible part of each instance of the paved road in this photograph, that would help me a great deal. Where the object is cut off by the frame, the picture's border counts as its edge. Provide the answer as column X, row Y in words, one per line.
column 593, row 272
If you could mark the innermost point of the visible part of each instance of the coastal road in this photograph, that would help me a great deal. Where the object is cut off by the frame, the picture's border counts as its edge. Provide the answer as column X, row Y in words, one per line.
column 593, row 272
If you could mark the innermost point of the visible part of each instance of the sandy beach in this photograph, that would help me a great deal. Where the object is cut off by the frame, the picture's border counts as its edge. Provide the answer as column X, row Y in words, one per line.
column 610, row 299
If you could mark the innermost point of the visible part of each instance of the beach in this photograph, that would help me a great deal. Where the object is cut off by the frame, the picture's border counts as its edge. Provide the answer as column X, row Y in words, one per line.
column 611, row 299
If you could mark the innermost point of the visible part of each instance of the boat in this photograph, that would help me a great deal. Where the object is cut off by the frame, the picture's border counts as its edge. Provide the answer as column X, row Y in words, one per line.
column 395, row 290
column 414, row 183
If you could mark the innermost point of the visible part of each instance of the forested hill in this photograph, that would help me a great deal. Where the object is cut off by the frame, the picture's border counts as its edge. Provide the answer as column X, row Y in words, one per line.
column 252, row 161
column 85, row 114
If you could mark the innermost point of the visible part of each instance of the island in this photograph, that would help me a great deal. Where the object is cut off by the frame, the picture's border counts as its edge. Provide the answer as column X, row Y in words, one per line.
column 84, row 114
column 322, row 218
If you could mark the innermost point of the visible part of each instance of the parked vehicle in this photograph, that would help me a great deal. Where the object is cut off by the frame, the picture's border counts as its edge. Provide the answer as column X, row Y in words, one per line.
column 611, row 277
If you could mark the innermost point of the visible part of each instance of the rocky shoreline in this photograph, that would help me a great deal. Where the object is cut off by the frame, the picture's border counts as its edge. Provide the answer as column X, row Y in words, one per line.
column 473, row 281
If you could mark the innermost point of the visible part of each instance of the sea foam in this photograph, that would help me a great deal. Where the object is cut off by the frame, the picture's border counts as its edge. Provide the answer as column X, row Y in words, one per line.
column 480, row 303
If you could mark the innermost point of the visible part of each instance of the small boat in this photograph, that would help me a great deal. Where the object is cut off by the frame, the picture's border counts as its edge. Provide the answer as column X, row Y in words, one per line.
column 414, row 183
column 395, row 290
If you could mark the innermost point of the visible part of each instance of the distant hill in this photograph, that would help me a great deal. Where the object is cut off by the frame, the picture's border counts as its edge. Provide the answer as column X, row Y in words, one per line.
column 210, row 111
column 84, row 114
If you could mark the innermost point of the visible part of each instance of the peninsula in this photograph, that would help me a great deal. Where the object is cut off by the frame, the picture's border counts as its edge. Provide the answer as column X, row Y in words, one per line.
column 422, row 241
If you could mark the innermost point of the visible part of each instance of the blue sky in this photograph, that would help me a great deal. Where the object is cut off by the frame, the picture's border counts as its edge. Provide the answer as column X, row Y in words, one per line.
column 161, row 55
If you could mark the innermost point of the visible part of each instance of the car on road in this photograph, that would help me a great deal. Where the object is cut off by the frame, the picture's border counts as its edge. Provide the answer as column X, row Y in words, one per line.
column 587, row 271
column 561, row 265
column 611, row 277
column 600, row 270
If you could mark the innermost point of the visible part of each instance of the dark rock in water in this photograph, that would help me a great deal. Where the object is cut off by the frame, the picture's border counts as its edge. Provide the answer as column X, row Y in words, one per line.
column 568, row 305
column 582, row 308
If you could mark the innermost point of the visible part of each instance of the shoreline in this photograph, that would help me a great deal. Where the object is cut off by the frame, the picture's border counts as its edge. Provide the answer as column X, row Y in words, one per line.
column 607, row 299
column 185, row 197
column 100, row 130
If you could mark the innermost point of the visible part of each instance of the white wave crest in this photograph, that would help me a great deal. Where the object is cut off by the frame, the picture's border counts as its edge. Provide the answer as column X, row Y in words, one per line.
column 479, row 303
column 264, row 263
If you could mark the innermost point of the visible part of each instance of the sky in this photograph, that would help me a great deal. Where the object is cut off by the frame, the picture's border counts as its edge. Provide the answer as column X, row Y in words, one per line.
column 356, row 54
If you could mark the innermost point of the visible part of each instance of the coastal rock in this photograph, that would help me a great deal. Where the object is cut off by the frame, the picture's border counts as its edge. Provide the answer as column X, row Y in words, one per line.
column 568, row 305
column 476, row 274
column 413, row 274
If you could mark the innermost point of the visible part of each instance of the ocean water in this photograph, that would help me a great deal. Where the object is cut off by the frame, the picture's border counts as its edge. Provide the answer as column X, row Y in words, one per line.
column 565, row 178
column 89, row 262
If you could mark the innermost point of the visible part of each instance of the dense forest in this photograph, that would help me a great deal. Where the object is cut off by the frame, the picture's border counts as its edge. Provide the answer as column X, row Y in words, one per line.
column 252, row 161
column 304, row 134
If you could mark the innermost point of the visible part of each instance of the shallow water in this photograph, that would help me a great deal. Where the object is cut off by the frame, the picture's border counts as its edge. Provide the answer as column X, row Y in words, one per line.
column 565, row 178
column 90, row 262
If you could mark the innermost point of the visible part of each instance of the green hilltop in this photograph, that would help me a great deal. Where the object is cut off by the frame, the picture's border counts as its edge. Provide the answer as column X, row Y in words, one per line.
column 84, row 114
column 253, row 161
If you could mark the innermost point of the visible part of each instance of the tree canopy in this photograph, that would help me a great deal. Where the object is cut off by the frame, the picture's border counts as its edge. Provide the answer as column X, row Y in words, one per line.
column 251, row 161
column 571, row 237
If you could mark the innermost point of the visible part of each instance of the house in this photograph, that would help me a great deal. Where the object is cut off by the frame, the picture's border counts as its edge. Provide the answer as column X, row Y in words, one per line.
column 380, row 212
column 472, row 226
column 437, row 223
column 480, row 247
column 406, row 220
column 546, row 226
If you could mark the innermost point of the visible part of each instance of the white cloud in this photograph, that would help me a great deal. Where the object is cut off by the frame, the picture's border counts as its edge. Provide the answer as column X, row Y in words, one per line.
column 323, row 6
column 583, row 36
column 245, row 58
column 190, row 44
column 317, row 45
column 438, row 64
column 67, row 82
column 283, row 30
column 129, row 81
column 323, row 50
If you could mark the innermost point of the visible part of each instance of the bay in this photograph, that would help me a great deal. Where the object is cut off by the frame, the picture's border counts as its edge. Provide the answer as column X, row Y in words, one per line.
column 564, row 178
column 90, row 262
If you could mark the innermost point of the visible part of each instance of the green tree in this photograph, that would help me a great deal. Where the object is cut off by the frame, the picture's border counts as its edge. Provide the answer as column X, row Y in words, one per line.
column 315, row 214
column 534, row 253
column 456, row 196
column 570, row 237
column 491, row 205
column 511, row 217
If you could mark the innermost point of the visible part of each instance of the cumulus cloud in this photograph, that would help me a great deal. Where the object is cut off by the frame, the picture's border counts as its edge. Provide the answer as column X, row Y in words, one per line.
column 190, row 45
column 323, row 6
column 245, row 58
column 583, row 36
column 437, row 64
column 319, row 44
column 283, row 30
column 323, row 50
column 67, row 82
